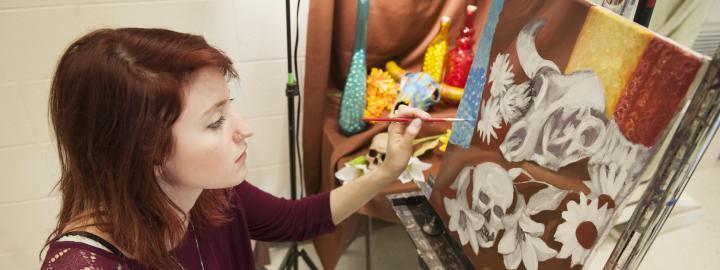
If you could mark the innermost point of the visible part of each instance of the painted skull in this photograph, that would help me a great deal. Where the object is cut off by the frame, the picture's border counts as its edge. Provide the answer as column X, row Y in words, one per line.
column 566, row 121
column 418, row 90
column 378, row 149
column 492, row 195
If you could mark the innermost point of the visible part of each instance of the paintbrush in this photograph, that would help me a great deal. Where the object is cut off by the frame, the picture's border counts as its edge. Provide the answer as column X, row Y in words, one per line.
column 408, row 119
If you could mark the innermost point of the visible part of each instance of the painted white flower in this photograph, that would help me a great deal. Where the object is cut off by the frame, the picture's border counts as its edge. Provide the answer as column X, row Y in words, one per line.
column 548, row 198
column 462, row 181
column 516, row 102
column 615, row 166
column 351, row 171
column 414, row 171
column 500, row 75
column 521, row 240
column 602, row 187
column 584, row 222
column 489, row 121
column 463, row 220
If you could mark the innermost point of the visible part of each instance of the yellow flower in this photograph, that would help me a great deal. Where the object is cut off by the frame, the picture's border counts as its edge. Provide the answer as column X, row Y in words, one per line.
column 444, row 141
column 381, row 92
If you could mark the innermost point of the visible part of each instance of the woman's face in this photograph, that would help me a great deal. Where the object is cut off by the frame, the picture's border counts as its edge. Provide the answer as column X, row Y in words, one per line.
column 210, row 149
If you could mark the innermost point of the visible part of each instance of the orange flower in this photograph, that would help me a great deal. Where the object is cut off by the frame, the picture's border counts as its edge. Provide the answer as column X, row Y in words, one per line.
column 381, row 92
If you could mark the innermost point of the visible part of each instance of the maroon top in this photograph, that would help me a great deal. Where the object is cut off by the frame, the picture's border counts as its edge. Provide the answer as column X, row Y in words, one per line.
column 258, row 216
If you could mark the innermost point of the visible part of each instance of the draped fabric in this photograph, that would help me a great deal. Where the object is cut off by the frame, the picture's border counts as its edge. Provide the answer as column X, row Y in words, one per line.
column 397, row 30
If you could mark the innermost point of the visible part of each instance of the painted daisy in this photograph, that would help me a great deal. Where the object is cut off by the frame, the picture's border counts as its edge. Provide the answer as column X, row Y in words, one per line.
column 614, row 166
column 489, row 121
column 584, row 222
column 500, row 75
column 602, row 187
column 521, row 240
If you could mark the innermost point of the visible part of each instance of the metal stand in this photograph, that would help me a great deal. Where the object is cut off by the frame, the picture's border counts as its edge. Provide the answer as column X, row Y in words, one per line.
column 291, row 92
column 368, row 244
column 291, row 258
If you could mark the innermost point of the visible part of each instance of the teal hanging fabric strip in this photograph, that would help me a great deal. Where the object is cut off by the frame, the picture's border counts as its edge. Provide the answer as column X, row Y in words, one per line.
column 353, row 101
column 462, row 132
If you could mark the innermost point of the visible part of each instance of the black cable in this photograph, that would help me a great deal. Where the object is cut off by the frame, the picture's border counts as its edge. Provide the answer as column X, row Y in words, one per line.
column 297, row 120
column 288, row 38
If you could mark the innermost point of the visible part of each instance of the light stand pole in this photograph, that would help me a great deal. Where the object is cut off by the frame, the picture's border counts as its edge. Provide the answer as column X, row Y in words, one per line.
column 291, row 91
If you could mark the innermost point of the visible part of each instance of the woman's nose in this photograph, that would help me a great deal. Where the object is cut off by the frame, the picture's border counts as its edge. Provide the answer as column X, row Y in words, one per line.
column 242, row 131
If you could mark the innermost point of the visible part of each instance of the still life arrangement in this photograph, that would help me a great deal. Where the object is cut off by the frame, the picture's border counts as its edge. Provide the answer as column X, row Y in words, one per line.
column 443, row 76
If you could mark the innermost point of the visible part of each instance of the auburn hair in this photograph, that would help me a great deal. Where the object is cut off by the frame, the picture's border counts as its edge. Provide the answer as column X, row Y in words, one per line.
column 115, row 95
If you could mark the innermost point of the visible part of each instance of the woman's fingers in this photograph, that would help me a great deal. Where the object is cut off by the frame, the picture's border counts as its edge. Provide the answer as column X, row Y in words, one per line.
column 401, row 135
column 407, row 111
column 413, row 128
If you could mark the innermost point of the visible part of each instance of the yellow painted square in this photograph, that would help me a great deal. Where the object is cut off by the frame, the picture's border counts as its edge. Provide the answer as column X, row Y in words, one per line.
column 611, row 46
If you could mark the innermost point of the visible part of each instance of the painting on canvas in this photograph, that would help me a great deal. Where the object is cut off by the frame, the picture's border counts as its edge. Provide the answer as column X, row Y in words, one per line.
column 567, row 108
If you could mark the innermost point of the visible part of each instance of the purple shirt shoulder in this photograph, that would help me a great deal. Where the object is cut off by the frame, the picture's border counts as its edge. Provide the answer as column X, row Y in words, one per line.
column 257, row 215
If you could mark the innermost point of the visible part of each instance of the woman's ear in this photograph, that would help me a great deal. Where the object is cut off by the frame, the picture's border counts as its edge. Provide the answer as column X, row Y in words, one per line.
column 159, row 171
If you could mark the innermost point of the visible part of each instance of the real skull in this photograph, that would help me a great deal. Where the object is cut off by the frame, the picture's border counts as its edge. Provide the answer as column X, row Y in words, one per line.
column 378, row 149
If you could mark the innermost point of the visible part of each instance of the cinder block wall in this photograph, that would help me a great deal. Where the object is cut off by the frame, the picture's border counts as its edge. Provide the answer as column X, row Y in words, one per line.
column 34, row 33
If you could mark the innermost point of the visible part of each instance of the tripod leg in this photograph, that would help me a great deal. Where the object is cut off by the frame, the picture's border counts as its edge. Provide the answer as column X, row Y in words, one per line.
column 307, row 260
column 290, row 259
column 284, row 265
column 368, row 232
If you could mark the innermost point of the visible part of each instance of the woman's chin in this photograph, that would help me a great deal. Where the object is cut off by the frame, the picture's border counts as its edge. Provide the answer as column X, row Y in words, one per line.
column 242, row 174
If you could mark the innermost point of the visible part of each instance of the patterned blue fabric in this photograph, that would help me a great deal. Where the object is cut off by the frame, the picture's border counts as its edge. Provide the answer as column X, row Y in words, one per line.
column 462, row 132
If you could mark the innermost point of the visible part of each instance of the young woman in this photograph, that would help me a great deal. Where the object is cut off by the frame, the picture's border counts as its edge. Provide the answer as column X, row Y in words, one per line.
column 153, row 160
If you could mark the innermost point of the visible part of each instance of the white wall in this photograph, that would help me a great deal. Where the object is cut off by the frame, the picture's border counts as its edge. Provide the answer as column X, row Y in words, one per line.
column 33, row 34
column 711, row 159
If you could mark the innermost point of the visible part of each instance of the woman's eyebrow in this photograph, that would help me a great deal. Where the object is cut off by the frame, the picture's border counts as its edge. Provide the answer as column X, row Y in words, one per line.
column 216, row 106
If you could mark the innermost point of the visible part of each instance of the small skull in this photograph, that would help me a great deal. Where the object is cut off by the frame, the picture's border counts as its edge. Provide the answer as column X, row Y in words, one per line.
column 378, row 149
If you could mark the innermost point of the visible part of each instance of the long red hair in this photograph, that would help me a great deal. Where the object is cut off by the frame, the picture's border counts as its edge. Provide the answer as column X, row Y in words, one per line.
column 114, row 98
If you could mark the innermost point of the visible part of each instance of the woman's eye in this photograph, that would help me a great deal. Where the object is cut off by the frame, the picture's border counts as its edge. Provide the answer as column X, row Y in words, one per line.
column 217, row 124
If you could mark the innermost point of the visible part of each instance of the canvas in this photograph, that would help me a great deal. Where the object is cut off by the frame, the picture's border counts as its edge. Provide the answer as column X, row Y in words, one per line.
column 567, row 104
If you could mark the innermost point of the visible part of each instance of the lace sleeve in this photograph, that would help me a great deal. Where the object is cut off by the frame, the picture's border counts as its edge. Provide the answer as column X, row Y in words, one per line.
column 74, row 255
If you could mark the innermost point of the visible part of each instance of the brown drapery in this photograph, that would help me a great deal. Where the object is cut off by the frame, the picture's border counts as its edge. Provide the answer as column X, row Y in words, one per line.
column 397, row 30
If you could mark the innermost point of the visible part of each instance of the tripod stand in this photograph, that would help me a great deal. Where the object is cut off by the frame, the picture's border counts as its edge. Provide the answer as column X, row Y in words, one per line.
column 291, row 91
column 291, row 258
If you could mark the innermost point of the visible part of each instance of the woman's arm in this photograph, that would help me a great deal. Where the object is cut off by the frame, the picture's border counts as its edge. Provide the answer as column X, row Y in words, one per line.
column 274, row 219
column 348, row 198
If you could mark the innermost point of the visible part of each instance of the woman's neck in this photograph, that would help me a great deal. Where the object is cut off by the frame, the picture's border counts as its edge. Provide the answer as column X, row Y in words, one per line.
column 184, row 197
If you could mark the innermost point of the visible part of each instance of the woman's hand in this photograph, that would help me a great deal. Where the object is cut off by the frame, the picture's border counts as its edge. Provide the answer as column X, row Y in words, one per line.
column 347, row 198
column 400, row 137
